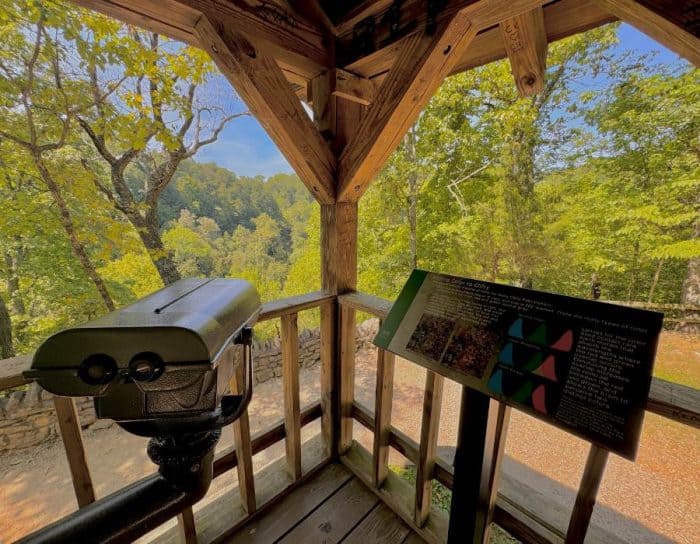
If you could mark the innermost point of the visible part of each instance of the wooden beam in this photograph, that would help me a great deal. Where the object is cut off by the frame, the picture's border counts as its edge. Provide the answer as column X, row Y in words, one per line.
column 360, row 12
column 69, row 423
column 354, row 88
column 260, row 83
column 241, row 437
column 289, row 334
column 656, row 26
column 327, row 355
column 427, row 449
column 423, row 64
column 187, row 527
column 525, row 40
column 322, row 102
column 312, row 11
column 586, row 497
column 382, row 415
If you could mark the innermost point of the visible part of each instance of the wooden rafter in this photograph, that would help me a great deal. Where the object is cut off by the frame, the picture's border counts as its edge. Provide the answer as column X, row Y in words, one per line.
column 525, row 40
column 343, row 84
column 423, row 63
column 656, row 26
column 262, row 86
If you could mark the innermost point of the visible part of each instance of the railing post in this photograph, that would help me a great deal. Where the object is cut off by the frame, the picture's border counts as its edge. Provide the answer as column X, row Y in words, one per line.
column 72, row 436
column 185, row 522
column 382, row 415
column 432, row 406
column 290, row 383
column 241, row 436
column 586, row 497
column 328, row 332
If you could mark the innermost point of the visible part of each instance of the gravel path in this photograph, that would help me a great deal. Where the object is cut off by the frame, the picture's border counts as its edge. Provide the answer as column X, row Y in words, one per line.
column 651, row 501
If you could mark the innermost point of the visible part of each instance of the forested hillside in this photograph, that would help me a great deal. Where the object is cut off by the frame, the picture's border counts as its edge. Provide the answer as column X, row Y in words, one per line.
column 597, row 178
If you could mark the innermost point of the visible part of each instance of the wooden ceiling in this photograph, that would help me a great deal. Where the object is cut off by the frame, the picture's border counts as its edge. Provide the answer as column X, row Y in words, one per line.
column 364, row 37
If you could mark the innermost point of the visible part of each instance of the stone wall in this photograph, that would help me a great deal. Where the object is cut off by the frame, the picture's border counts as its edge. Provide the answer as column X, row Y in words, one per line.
column 27, row 418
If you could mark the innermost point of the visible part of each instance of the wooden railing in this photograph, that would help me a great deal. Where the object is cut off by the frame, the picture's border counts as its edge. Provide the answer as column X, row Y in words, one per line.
column 667, row 399
column 240, row 456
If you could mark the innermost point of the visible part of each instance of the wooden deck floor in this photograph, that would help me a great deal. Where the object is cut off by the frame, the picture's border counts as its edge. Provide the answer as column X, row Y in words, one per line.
column 332, row 507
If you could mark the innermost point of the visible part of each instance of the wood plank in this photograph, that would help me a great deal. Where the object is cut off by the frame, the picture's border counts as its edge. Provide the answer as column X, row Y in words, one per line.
column 294, row 507
column 327, row 354
column 413, row 538
column 427, row 450
column 262, row 440
column 382, row 415
column 292, row 305
column 186, row 525
column 381, row 526
column 354, row 88
column 360, row 12
column 420, row 68
column 397, row 494
column 262, row 86
column 289, row 333
column 322, row 102
column 11, row 371
column 525, row 40
column 336, row 517
column 241, row 437
column 656, row 26
column 370, row 304
column 347, row 377
column 586, row 497
column 69, row 424
column 675, row 401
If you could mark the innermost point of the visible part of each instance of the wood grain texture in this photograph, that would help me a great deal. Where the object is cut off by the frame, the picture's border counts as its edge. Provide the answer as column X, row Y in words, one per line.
column 243, row 445
column 427, row 450
column 370, row 304
column 262, row 86
column 656, row 26
column 420, row 68
column 11, row 371
column 327, row 355
column 675, row 401
column 293, row 305
column 289, row 334
column 346, row 370
column 382, row 415
column 322, row 102
column 354, row 88
column 586, row 496
column 72, row 437
column 381, row 526
column 186, row 525
column 284, row 515
column 525, row 40
column 334, row 518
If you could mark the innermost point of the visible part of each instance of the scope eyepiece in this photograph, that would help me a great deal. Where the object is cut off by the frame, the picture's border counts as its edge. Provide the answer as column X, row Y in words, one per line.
column 146, row 367
column 97, row 369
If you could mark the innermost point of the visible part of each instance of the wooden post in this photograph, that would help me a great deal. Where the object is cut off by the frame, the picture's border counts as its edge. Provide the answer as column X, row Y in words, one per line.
column 185, row 522
column 328, row 332
column 290, row 381
column 382, row 415
column 241, row 435
column 586, row 497
column 432, row 405
column 72, row 437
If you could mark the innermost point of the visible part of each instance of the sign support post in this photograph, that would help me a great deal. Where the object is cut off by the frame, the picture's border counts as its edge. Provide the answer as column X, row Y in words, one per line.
column 483, row 423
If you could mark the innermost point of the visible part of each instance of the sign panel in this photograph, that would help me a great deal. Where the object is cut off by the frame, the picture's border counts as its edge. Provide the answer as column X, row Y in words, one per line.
column 584, row 366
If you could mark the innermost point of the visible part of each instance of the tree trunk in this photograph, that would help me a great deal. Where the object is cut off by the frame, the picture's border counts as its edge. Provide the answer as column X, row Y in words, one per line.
column 690, row 294
column 76, row 245
column 412, row 197
column 655, row 281
column 149, row 233
column 11, row 263
column 632, row 286
column 7, row 350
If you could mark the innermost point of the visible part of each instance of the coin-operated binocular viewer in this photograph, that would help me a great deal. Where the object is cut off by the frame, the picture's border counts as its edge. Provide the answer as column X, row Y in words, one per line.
column 160, row 368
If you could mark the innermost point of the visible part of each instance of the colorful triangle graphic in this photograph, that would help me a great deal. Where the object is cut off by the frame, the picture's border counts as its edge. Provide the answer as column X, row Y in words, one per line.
column 538, row 401
column 506, row 355
column 534, row 362
column 539, row 337
column 548, row 369
column 565, row 343
column 523, row 393
column 516, row 329
column 496, row 382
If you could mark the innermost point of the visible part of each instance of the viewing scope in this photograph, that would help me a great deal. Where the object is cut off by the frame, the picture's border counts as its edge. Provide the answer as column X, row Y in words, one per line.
column 162, row 364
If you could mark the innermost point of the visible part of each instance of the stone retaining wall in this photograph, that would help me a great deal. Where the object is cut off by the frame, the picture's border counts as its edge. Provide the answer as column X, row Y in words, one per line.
column 27, row 418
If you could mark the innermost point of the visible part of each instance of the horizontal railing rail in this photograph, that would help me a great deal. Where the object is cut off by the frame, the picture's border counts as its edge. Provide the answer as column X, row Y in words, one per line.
column 670, row 400
column 245, row 446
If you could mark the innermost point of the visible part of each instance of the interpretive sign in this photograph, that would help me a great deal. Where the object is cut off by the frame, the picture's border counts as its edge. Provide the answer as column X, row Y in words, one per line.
column 582, row 365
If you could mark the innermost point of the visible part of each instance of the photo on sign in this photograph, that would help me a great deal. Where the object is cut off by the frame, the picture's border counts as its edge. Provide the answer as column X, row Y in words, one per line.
column 471, row 349
column 430, row 336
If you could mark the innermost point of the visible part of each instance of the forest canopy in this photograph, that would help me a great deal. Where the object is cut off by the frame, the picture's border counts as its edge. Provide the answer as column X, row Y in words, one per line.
column 104, row 201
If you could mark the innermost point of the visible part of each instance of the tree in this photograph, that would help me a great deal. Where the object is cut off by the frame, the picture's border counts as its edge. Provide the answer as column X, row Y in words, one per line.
column 147, row 115
column 6, row 346
column 38, row 107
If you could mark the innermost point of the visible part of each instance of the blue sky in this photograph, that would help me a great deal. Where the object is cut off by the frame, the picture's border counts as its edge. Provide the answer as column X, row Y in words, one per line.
column 245, row 148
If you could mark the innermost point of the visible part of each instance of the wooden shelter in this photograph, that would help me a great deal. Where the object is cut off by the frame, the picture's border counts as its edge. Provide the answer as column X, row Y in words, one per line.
column 367, row 68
